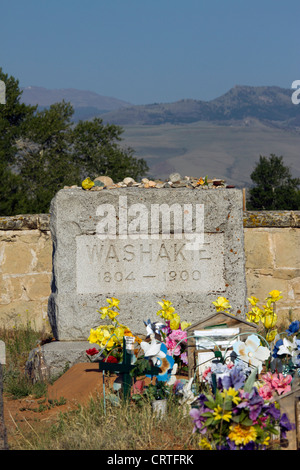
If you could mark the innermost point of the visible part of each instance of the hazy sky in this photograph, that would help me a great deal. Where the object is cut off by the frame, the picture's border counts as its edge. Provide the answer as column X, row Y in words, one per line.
column 146, row 51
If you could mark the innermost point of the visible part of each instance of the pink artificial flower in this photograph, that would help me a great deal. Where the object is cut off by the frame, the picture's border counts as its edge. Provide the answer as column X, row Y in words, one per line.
column 278, row 382
column 206, row 372
column 262, row 421
column 138, row 386
column 265, row 392
column 178, row 335
column 281, row 383
column 173, row 349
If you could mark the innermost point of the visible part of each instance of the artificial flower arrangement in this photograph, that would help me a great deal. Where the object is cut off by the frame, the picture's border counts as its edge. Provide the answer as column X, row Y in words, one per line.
column 232, row 415
column 237, row 408
column 174, row 334
column 109, row 337
column 146, row 353
column 266, row 315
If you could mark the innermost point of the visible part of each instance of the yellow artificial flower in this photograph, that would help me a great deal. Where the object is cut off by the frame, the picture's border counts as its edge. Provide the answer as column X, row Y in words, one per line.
column 106, row 337
column 119, row 332
column 113, row 302
column 271, row 335
column 254, row 315
column 200, row 181
column 266, row 441
column 87, row 183
column 165, row 303
column 240, row 434
column 269, row 320
column 253, row 300
column 167, row 312
column 221, row 304
column 233, row 394
column 93, row 338
column 184, row 325
column 219, row 413
column 274, row 295
column 112, row 314
column 104, row 311
column 175, row 322
column 204, row 444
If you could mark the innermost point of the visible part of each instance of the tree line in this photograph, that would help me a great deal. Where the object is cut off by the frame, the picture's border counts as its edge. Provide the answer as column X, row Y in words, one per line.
column 41, row 151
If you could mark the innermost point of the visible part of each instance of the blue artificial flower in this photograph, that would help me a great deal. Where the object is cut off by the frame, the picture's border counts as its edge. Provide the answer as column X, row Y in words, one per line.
column 293, row 328
column 276, row 347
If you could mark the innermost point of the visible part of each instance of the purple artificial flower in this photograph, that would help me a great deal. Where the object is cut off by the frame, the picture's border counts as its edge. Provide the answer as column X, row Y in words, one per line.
column 167, row 330
column 249, row 446
column 199, row 420
column 253, row 401
column 235, row 378
column 293, row 328
column 285, row 425
column 184, row 358
column 256, row 403
column 271, row 410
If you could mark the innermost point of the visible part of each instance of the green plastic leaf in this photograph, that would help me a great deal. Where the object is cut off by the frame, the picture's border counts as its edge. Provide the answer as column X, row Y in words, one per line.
column 251, row 380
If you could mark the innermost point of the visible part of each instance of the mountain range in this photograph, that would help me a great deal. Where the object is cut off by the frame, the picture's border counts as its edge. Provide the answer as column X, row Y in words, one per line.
column 86, row 104
column 222, row 137
column 266, row 103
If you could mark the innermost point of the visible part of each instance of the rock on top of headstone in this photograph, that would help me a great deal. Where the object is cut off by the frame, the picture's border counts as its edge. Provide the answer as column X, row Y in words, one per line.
column 128, row 181
column 104, row 179
column 2, row 352
column 174, row 177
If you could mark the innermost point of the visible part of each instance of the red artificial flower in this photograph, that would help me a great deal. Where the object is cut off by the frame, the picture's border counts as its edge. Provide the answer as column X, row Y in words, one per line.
column 111, row 359
column 92, row 352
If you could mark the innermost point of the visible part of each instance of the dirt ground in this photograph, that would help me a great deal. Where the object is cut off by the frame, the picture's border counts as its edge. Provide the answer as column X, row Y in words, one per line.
column 76, row 386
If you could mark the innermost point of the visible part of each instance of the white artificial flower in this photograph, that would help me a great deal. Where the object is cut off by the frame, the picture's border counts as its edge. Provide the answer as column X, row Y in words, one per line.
column 173, row 378
column 251, row 351
column 289, row 348
column 153, row 351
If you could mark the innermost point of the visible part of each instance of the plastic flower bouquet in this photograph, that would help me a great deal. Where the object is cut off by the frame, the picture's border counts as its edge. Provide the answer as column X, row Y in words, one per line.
column 265, row 316
column 235, row 417
column 109, row 337
column 173, row 334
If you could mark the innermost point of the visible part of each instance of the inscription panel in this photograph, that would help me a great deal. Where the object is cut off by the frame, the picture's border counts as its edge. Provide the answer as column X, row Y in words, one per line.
column 163, row 266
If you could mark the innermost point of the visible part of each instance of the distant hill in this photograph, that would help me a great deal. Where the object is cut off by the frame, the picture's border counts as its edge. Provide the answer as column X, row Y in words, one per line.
column 268, row 104
column 86, row 104
column 221, row 138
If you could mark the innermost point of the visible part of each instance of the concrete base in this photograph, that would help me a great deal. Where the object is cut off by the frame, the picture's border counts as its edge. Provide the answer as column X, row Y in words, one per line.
column 52, row 359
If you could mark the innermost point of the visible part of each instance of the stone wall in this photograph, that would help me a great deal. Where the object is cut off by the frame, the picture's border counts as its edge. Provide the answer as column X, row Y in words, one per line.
column 272, row 249
column 25, row 270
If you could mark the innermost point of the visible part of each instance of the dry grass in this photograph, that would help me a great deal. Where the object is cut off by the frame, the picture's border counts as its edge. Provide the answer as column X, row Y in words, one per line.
column 127, row 426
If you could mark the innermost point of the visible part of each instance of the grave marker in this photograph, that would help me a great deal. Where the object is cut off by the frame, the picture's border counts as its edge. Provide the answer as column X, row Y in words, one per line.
column 141, row 245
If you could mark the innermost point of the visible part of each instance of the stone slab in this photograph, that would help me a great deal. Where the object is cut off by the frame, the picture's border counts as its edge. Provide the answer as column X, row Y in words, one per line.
column 56, row 357
column 84, row 274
